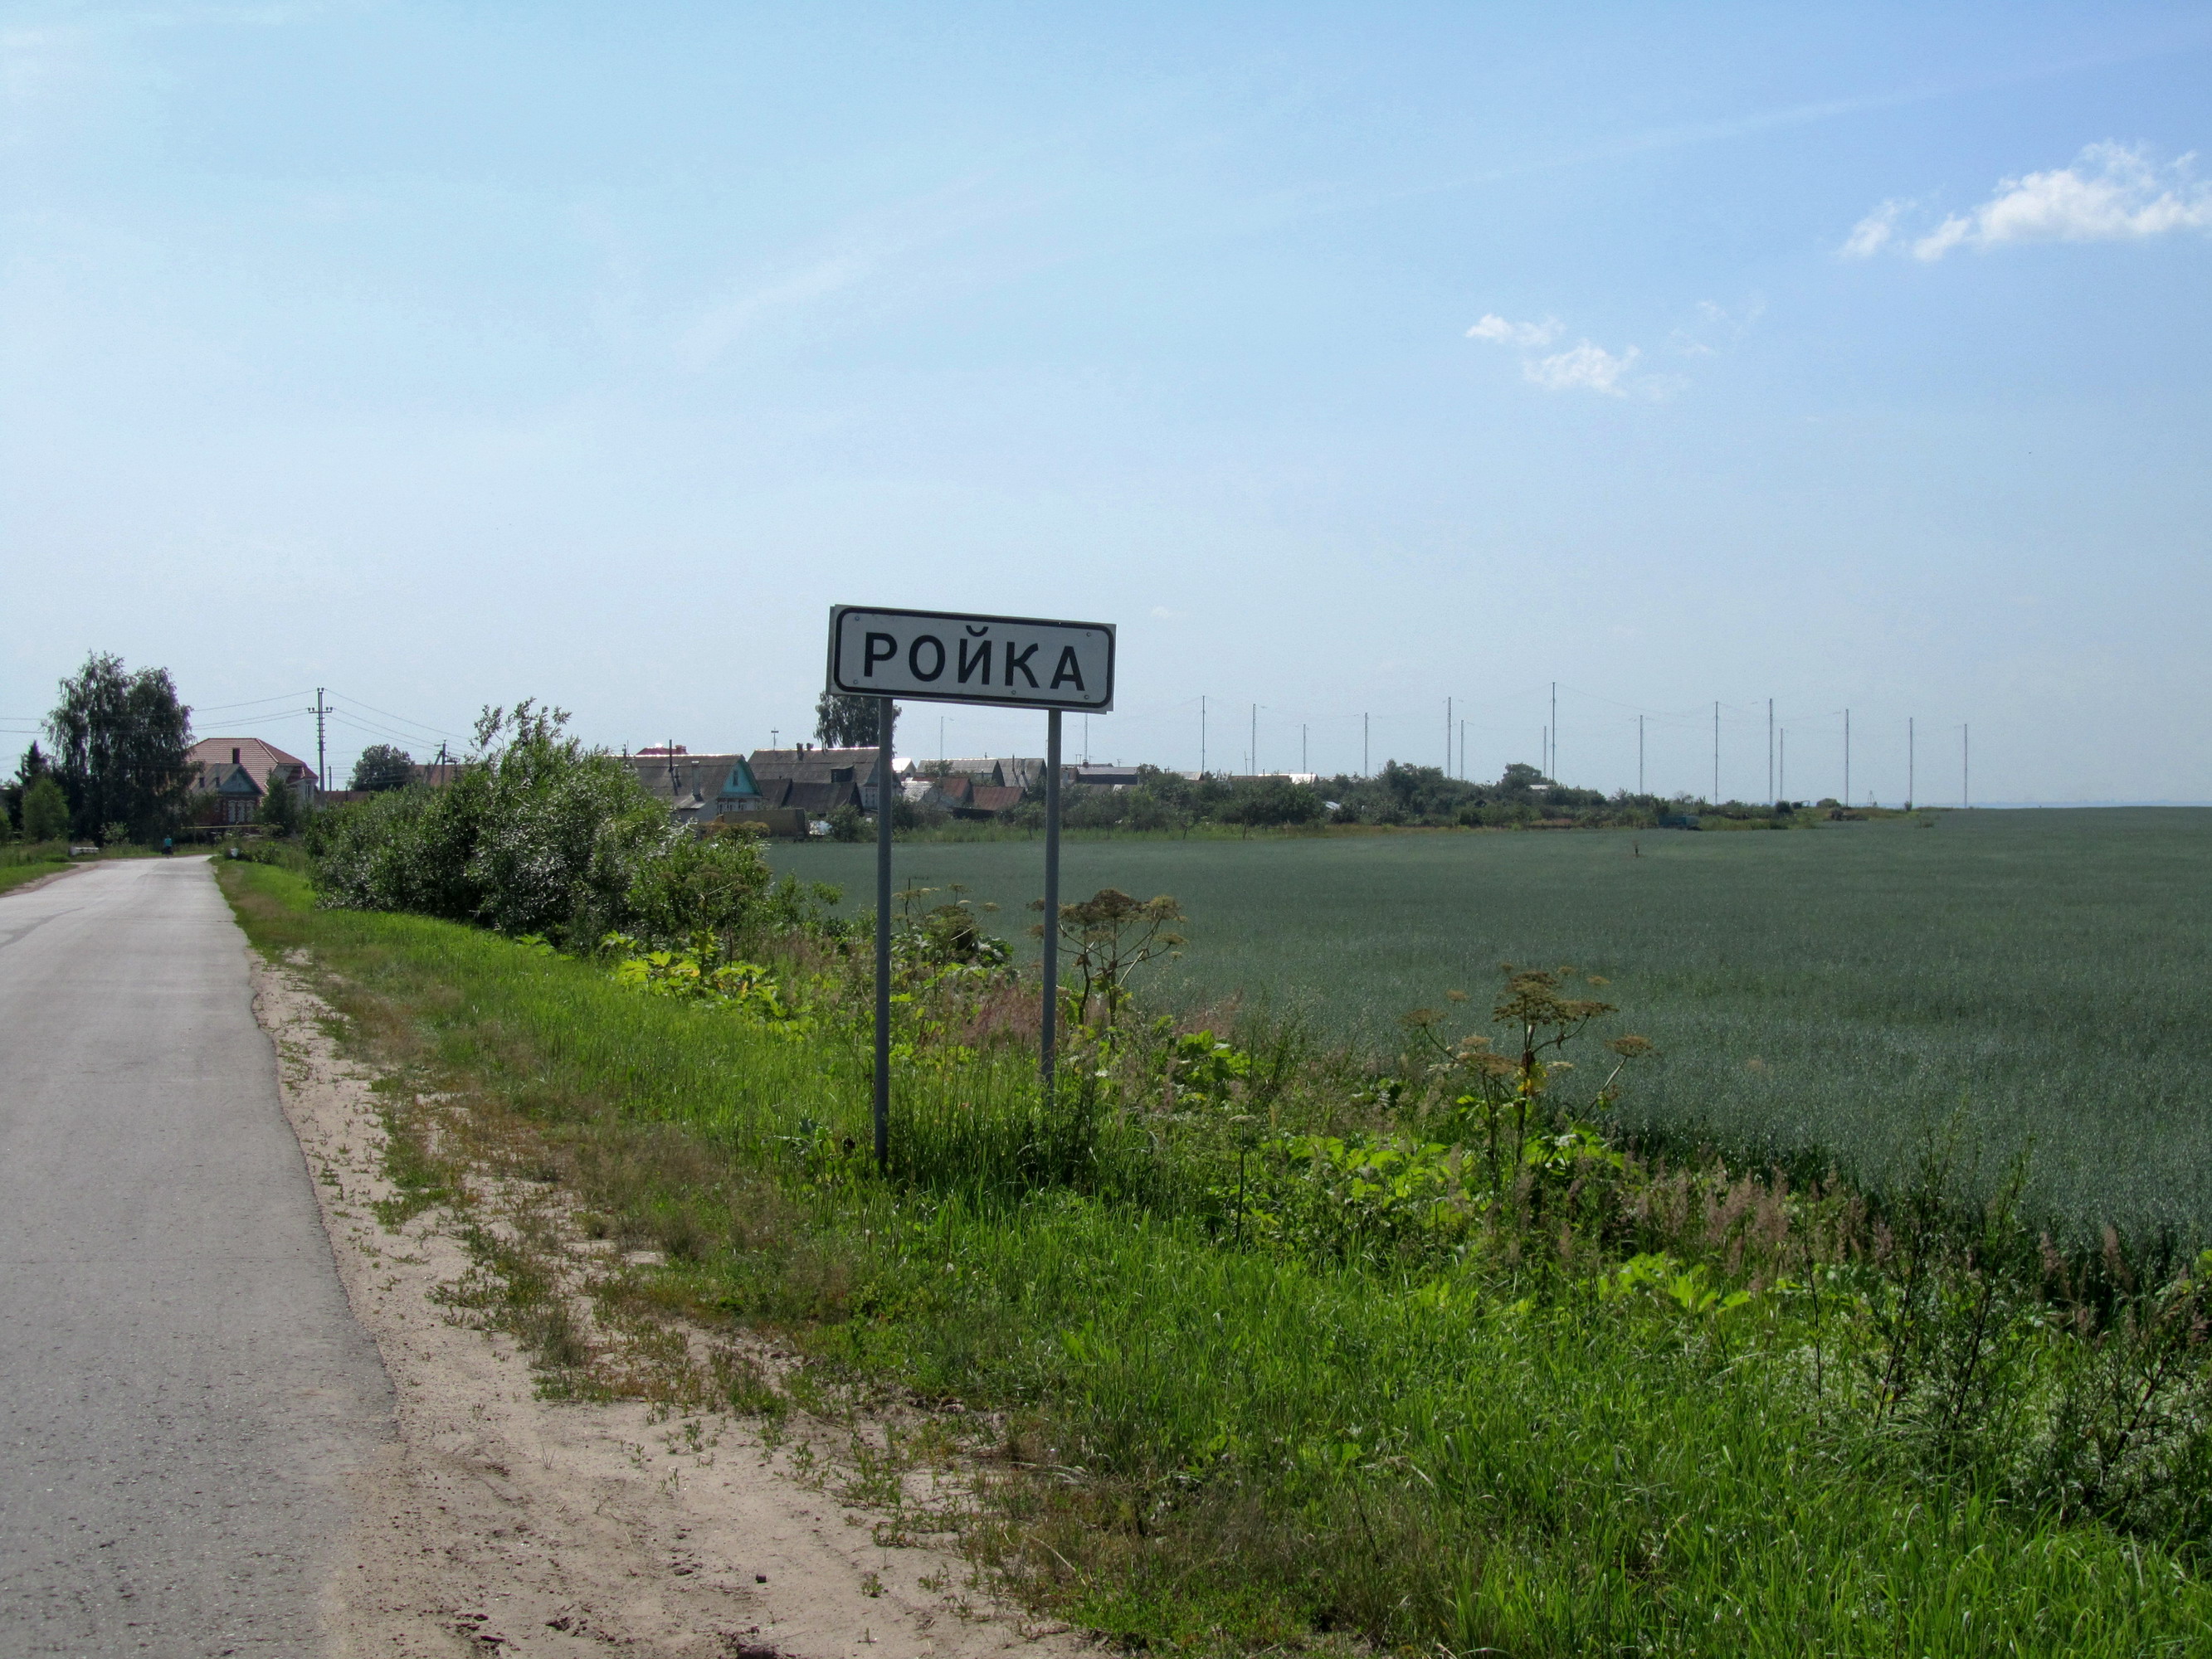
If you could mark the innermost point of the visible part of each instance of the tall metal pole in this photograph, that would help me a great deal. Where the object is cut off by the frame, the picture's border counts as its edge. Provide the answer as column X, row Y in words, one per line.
column 1050, row 1040
column 322, row 770
column 885, row 713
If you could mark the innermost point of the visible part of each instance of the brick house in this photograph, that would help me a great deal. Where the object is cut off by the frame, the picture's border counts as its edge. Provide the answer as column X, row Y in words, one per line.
column 230, row 776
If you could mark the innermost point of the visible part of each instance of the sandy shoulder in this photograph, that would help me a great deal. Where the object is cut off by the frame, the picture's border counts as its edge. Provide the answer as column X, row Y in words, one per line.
column 496, row 1521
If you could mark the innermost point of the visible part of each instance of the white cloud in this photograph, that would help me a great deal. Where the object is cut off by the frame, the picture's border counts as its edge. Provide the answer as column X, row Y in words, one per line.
column 1584, row 367
column 2111, row 194
column 1527, row 335
column 1872, row 233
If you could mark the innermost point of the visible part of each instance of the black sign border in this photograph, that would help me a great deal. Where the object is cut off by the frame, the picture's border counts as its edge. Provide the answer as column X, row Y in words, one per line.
column 837, row 613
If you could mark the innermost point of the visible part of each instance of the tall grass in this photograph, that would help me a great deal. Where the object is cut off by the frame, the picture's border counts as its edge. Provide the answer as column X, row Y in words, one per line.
column 1208, row 1444
column 1845, row 991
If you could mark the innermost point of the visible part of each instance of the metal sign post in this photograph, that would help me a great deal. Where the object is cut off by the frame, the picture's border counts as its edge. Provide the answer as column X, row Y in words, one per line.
column 886, row 712
column 950, row 656
column 1047, row 1049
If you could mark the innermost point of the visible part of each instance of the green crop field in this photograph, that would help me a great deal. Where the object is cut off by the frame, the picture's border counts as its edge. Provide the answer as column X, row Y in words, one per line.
column 2038, row 980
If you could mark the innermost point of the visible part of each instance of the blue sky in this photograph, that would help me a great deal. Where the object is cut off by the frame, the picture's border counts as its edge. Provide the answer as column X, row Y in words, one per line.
column 1351, row 359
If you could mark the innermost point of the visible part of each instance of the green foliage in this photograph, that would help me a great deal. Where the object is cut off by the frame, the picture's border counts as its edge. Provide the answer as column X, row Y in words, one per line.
column 119, row 744
column 694, row 884
column 1108, row 936
column 539, row 835
column 280, row 810
column 696, row 976
column 848, row 719
column 1282, row 1360
column 45, row 809
column 381, row 766
column 1271, row 803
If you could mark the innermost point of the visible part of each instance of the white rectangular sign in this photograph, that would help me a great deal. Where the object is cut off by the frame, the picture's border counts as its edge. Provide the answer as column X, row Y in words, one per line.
column 944, row 656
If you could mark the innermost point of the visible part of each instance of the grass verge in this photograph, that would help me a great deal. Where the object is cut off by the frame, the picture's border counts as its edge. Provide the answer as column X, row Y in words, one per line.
column 1215, row 1419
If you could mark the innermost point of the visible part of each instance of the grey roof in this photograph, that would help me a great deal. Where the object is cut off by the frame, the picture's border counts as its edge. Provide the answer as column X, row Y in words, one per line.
column 816, row 765
column 695, row 783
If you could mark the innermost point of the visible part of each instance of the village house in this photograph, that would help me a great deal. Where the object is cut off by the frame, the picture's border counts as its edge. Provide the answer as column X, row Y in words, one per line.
column 699, row 789
column 230, row 776
column 818, row 780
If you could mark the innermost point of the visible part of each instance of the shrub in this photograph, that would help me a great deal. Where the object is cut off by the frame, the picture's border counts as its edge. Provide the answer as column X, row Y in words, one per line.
column 280, row 807
column 698, row 884
column 45, row 810
column 541, row 836
column 381, row 766
column 1272, row 801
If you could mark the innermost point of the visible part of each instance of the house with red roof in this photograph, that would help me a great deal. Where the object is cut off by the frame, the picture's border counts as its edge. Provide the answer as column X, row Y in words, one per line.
column 230, row 775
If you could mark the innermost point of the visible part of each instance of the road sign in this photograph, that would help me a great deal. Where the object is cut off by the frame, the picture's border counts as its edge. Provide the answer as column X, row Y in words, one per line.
column 944, row 656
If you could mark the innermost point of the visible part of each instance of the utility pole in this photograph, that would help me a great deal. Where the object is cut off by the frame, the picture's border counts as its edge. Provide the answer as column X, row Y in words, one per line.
column 1639, row 754
column 1771, row 796
column 1909, row 758
column 1716, row 754
column 322, row 772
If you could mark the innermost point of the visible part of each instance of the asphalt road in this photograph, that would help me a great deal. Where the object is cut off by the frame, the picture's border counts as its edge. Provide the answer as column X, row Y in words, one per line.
column 183, row 1389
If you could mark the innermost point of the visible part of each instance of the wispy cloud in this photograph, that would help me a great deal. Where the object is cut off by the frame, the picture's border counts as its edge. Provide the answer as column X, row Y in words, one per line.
column 2112, row 193
column 881, row 259
column 1715, row 328
column 1583, row 367
column 1872, row 233
column 1530, row 336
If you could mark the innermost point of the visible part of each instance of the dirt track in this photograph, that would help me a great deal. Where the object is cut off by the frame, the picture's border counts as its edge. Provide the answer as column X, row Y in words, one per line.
column 499, row 1521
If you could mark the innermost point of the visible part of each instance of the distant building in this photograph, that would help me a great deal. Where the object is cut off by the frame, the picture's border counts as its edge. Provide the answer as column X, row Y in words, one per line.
column 1104, row 777
column 230, row 776
column 1003, row 771
column 699, row 789
column 966, row 798
column 818, row 780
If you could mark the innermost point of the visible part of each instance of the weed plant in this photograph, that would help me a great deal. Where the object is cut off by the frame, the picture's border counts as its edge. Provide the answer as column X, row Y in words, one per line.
column 1267, row 1344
